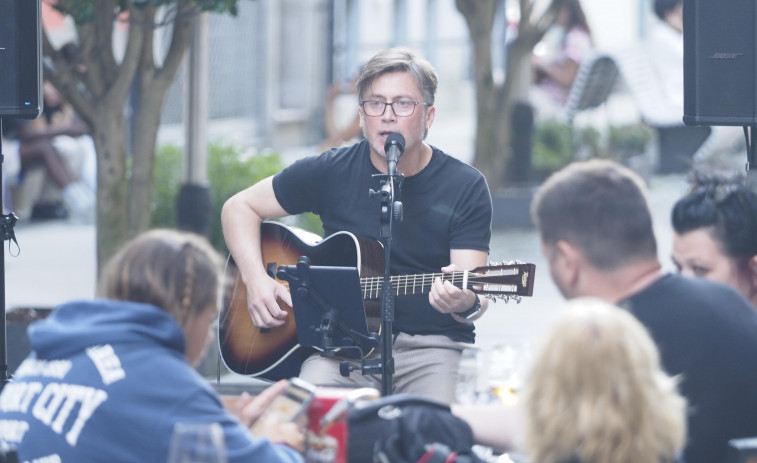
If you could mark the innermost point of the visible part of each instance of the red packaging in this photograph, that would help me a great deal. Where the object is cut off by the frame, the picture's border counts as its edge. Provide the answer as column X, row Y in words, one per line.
column 326, row 436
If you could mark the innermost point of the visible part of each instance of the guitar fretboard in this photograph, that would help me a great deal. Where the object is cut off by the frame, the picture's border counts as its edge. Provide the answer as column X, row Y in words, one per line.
column 404, row 285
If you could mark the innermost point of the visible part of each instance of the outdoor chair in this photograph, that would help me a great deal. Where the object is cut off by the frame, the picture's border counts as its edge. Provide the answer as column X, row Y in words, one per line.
column 677, row 143
column 595, row 81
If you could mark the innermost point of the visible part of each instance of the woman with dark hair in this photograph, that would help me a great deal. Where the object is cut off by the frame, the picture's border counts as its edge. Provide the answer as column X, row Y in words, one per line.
column 715, row 237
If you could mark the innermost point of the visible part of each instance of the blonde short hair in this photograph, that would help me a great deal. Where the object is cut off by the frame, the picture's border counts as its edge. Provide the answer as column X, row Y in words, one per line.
column 597, row 393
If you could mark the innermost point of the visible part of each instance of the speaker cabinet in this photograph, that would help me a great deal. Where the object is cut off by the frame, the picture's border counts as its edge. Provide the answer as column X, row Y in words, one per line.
column 719, row 47
column 20, row 59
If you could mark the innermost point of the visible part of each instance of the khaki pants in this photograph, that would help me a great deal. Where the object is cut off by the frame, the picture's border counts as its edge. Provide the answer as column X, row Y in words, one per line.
column 423, row 364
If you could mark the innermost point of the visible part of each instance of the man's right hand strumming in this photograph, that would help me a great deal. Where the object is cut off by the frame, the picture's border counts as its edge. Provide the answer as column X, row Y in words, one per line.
column 263, row 296
column 241, row 217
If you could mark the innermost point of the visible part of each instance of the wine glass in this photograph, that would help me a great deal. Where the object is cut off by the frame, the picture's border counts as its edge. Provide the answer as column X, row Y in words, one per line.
column 194, row 442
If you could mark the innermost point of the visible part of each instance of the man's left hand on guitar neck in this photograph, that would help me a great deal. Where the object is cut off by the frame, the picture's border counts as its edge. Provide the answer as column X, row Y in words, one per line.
column 448, row 298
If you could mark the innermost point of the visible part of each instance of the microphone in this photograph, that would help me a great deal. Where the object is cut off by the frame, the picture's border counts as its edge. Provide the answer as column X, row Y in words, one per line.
column 394, row 147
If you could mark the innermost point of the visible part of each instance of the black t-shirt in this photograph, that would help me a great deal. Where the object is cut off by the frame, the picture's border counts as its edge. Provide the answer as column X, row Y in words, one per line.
column 446, row 206
column 707, row 333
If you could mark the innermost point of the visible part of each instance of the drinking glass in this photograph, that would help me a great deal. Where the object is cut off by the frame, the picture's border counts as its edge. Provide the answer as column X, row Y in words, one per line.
column 197, row 443
column 505, row 371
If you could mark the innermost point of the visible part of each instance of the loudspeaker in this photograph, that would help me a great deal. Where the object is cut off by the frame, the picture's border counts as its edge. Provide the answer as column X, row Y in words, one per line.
column 20, row 59
column 719, row 47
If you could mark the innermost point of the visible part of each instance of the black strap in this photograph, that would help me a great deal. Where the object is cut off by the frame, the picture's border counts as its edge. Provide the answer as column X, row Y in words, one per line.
column 7, row 222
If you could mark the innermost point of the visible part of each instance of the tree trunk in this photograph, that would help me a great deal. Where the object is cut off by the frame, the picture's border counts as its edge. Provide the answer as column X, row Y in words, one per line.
column 494, row 104
column 109, row 134
column 154, row 83
column 479, row 16
column 146, row 123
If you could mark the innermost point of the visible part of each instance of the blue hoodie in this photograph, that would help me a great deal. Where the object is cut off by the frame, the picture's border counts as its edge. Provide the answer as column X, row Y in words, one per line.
column 105, row 382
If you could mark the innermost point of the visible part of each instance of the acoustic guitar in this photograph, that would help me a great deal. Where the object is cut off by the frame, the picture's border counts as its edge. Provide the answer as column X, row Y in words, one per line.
column 274, row 353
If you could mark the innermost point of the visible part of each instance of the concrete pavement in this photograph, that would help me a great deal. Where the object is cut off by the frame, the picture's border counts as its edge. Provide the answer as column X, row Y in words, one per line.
column 54, row 262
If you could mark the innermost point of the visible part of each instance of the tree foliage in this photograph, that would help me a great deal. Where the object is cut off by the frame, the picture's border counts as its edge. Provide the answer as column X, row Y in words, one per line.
column 99, row 95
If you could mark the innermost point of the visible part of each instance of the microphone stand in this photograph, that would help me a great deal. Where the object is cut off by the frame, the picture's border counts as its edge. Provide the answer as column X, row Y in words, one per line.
column 391, row 209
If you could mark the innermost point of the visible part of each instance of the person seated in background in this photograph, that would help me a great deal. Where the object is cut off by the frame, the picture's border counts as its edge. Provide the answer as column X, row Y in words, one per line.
column 38, row 195
column 28, row 144
column 78, row 151
column 664, row 46
column 557, row 57
column 108, row 378
column 595, row 392
column 715, row 233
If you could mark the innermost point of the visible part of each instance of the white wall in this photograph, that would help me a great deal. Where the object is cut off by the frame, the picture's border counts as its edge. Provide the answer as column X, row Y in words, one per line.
column 615, row 23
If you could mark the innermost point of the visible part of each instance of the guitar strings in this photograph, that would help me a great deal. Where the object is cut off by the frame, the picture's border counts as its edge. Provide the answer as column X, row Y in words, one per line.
column 410, row 284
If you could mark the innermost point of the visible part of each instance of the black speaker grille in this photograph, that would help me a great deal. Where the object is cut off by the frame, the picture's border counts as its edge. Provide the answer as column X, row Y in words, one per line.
column 719, row 62
column 20, row 59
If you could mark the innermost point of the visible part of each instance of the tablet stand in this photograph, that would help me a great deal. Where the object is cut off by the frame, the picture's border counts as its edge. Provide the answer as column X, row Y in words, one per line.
column 328, row 310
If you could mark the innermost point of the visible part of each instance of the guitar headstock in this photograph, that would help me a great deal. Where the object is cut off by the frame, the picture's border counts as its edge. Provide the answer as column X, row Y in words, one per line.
column 512, row 279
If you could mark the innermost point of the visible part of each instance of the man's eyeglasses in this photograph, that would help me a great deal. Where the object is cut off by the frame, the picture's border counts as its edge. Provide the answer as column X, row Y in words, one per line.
column 401, row 108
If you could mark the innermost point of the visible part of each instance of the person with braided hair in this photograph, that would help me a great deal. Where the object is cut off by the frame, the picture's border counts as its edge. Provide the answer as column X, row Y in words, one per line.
column 107, row 379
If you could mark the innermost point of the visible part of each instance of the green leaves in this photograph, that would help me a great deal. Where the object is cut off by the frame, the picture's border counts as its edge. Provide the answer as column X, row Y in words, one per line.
column 230, row 170
column 83, row 11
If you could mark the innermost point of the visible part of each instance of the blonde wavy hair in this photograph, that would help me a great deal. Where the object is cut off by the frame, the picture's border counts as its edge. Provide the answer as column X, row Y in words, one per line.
column 177, row 271
column 596, row 392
